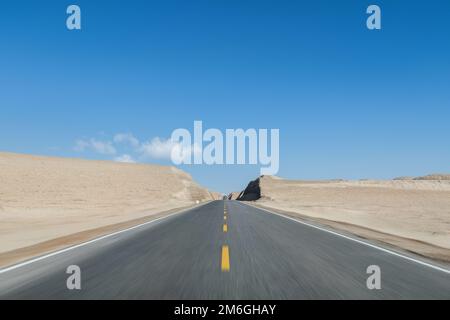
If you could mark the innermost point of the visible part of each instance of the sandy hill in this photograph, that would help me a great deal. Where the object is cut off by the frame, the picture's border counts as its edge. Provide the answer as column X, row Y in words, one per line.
column 233, row 195
column 43, row 198
column 410, row 213
column 435, row 177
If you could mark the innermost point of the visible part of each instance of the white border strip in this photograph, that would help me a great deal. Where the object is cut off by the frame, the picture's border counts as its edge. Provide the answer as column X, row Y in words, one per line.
column 33, row 260
column 423, row 263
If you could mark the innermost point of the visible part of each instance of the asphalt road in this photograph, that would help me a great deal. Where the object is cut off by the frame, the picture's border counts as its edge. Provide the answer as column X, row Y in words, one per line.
column 258, row 255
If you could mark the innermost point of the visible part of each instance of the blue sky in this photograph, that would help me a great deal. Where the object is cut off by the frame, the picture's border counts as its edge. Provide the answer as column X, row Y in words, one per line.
column 349, row 102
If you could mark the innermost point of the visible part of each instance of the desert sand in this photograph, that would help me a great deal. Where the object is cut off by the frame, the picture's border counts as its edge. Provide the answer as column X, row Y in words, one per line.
column 413, row 214
column 44, row 198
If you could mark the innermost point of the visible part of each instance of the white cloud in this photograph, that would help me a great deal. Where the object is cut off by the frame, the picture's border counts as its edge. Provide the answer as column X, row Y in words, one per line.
column 183, row 154
column 126, row 138
column 157, row 148
column 102, row 147
column 126, row 158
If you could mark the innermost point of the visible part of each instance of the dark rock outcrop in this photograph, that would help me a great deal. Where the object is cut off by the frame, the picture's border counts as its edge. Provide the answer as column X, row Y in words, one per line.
column 252, row 192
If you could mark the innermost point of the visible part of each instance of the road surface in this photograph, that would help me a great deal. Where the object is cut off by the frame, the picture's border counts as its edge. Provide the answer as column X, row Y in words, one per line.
column 225, row 250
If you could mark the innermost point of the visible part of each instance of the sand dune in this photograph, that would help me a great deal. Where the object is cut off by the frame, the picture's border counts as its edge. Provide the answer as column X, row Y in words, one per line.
column 43, row 198
column 412, row 214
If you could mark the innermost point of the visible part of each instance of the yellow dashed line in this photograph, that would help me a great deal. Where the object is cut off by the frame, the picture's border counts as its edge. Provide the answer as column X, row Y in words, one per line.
column 225, row 259
column 225, row 264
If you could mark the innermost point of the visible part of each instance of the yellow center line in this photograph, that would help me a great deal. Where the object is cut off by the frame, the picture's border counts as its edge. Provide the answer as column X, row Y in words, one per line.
column 225, row 259
column 225, row 228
